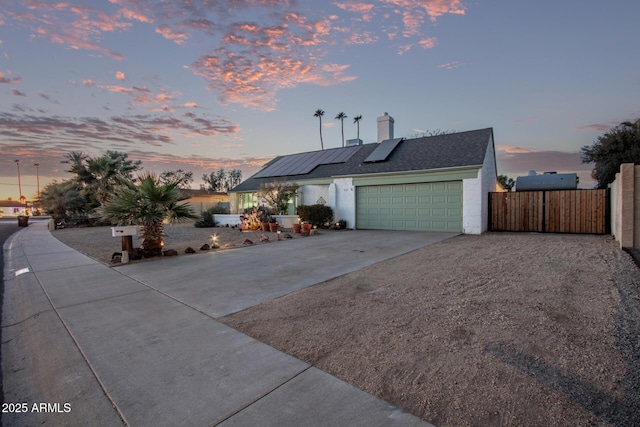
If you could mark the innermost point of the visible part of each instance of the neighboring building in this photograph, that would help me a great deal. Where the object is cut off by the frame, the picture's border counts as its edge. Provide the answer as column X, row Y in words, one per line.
column 436, row 183
column 547, row 181
column 12, row 208
column 202, row 200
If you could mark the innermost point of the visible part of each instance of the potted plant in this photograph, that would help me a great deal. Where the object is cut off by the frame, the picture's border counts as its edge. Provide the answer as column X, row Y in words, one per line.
column 273, row 225
column 297, row 227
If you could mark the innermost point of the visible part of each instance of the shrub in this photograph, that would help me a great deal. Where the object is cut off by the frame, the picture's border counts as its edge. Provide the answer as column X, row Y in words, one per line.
column 318, row 215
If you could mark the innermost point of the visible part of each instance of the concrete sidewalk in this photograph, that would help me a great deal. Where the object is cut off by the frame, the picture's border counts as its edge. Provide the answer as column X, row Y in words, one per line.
column 139, row 344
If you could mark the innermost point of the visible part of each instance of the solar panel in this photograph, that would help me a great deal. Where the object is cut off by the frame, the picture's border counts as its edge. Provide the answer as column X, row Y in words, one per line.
column 303, row 163
column 383, row 150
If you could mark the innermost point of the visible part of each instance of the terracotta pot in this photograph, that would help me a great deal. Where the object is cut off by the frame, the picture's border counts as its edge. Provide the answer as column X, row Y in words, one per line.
column 273, row 227
column 306, row 227
column 265, row 226
column 297, row 228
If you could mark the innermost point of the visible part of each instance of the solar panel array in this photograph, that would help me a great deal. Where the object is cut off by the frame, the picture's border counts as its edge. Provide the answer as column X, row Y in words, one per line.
column 303, row 163
column 383, row 150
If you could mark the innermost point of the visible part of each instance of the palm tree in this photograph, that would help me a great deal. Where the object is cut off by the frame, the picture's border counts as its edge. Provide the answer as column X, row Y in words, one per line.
column 148, row 202
column 319, row 113
column 341, row 116
column 356, row 120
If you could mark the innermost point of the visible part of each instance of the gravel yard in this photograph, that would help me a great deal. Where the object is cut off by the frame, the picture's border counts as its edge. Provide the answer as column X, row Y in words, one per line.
column 502, row 329
column 495, row 330
column 97, row 242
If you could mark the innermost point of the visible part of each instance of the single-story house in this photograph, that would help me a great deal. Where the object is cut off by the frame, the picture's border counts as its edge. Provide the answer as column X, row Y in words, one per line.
column 202, row 200
column 433, row 183
column 12, row 208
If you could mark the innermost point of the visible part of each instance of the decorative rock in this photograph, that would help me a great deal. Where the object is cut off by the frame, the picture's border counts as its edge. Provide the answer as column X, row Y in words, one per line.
column 264, row 238
column 287, row 236
column 247, row 242
column 170, row 252
column 189, row 250
column 205, row 247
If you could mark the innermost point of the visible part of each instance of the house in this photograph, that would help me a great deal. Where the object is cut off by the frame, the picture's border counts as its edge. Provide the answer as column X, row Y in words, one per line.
column 435, row 183
column 12, row 208
column 547, row 181
column 202, row 200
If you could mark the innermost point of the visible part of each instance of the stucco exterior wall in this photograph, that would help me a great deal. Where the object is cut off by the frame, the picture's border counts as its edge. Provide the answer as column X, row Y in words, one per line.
column 345, row 201
column 311, row 194
column 475, row 195
column 625, row 206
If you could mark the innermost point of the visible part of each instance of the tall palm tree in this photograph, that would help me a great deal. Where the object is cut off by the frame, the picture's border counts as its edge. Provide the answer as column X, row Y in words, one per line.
column 341, row 116
column 148, row 202
column 319, row 113
column 356, row 120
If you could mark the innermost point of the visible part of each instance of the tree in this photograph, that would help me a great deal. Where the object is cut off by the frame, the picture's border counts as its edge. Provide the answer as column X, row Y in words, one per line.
column 356, row 120
column 278, row 193
column 425, row 133
column 319, row 113
column 148, row 202
column 221, row 180
column 62, row 199
column 100, row 176
column 619, row 145
column 341, row 116
column 181, row 178
column 506, row 182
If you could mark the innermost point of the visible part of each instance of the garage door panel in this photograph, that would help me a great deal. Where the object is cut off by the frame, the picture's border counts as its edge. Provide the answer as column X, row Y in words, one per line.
column 422, row 206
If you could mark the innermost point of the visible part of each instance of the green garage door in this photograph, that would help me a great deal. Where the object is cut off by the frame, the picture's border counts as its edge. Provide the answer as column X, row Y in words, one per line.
column 431, row 206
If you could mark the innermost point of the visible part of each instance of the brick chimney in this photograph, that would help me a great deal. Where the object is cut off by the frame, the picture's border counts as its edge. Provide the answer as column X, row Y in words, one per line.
column 385, row 127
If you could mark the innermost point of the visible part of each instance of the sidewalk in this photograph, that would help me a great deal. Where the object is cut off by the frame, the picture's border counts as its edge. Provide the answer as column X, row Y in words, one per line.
column 105, row 346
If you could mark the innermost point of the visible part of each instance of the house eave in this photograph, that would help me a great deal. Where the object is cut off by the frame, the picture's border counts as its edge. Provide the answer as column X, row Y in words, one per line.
column 412, row 172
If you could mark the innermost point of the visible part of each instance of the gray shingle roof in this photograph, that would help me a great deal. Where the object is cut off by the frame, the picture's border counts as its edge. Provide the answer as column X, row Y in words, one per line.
column 433, row 152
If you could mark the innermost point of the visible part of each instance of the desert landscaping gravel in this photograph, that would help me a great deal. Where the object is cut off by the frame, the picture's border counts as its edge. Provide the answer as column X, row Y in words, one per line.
column 503, row 329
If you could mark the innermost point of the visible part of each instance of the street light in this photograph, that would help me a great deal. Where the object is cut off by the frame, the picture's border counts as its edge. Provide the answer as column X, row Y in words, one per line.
column 19, row 184
column 37, row 165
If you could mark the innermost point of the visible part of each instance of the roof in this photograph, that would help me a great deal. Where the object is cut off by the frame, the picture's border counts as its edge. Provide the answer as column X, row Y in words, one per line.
column 191, row 192
column 11, row 204
column 452, row 150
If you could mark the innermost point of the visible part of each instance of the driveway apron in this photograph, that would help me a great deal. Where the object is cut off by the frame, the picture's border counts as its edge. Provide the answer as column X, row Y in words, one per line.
column 139, row 344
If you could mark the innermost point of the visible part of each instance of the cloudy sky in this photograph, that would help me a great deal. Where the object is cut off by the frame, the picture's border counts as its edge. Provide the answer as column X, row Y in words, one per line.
column 204, row 84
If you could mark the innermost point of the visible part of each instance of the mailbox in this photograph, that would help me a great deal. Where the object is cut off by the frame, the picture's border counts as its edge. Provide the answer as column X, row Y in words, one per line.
column 128, row 230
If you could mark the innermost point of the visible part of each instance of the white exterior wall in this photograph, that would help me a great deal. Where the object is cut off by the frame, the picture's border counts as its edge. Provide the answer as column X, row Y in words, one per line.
column 475, row 195
column 312, row 193
column 345, row 201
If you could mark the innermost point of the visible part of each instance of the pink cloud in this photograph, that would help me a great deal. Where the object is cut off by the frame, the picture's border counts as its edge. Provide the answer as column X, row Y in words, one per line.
column 4, row 79
column 449, row 65
column 178, row 37
column 120, row 75
column 429, row 43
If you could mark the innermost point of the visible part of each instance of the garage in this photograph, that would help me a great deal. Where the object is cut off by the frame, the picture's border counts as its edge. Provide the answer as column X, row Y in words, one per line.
column 429, row 206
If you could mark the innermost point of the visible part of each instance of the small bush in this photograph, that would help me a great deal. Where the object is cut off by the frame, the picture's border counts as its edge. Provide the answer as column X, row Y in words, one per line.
column 318, row 215
column 206, row 219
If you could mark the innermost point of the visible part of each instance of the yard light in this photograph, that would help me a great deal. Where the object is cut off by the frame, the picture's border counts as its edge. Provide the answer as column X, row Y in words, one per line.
column 214, row 240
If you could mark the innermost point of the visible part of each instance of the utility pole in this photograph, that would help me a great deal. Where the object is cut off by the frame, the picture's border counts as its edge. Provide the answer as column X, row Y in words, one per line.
column 37, row 165
column 19, row 183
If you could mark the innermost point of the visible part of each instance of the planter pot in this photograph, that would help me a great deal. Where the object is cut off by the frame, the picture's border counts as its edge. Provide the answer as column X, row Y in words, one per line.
column 297, row 228
column 23, row 221
column 273, row 227
column 265, row 226
column 306, row 227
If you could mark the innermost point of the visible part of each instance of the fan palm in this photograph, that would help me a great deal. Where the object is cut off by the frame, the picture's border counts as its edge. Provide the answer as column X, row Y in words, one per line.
column 356, row 120
column 341, row 116
column 319, row 113
column 150, row 203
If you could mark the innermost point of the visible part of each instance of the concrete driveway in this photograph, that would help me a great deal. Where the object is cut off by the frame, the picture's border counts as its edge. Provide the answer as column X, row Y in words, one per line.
column 139, row 344
column 224, row 282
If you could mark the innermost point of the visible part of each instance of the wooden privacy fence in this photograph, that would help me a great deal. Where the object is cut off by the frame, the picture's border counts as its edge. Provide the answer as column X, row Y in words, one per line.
column 557, row 211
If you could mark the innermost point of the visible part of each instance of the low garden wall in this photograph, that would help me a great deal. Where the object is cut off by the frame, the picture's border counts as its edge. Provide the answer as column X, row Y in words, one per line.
column 285, row 221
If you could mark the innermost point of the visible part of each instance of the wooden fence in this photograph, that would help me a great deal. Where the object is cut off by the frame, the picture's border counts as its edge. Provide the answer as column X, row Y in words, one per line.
column 558, row 211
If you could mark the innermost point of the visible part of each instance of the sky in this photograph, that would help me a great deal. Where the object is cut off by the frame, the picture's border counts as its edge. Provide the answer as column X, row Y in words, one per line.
column 200, row 85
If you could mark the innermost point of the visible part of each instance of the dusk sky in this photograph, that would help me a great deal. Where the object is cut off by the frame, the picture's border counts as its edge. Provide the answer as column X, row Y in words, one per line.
column 204, row 84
